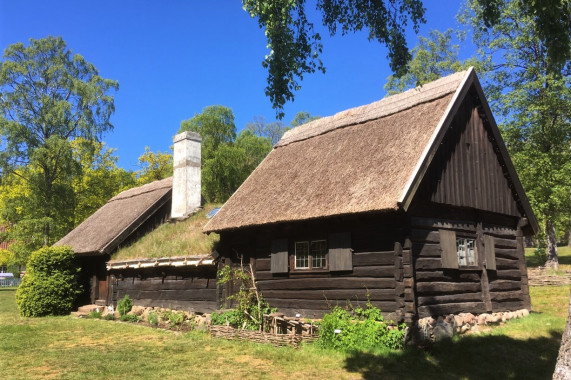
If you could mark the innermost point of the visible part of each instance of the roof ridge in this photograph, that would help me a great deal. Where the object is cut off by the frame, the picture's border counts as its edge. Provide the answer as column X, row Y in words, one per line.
column 385, row 107
column 143, row 189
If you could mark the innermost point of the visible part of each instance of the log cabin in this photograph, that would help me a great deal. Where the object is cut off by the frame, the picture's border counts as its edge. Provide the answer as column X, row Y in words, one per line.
column 411, row 202
column 178, row 281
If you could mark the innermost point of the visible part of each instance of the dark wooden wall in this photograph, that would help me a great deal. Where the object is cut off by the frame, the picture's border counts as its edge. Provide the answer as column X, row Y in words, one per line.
column 467, row 170
column 441, row 291
column 191, row 289
column 377, row 266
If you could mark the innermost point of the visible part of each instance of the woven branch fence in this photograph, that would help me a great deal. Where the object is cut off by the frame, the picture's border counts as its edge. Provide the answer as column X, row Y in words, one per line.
column 277, row 340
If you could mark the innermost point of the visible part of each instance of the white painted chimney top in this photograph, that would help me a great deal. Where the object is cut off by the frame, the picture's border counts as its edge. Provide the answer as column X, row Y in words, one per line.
column 186, row 187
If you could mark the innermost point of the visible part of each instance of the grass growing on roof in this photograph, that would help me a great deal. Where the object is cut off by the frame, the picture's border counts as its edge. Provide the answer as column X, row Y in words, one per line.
column 184, row 238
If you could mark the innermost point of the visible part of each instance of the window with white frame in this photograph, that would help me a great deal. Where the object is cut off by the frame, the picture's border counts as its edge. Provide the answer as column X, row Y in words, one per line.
column 311, row 254
column 466, row 251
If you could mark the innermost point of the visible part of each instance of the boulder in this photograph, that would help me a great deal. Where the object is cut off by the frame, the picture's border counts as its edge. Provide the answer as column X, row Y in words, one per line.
column 442, row 330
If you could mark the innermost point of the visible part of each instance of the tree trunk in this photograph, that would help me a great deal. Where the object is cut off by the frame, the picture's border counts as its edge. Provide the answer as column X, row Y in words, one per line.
column 563, row 366
column 569, row 238
column 552, row 258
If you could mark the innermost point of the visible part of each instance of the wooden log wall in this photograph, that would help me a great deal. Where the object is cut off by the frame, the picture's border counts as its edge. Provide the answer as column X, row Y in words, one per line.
column 441, row 291
column 178, row 289
column 378, row 271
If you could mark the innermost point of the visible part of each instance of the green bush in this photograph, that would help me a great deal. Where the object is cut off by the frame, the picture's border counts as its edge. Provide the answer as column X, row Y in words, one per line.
column 50, row 286
column 125, row 305
column 129, row 318
column 153, row 318
column 95, row 315
column 109, row 317
column 359, row 330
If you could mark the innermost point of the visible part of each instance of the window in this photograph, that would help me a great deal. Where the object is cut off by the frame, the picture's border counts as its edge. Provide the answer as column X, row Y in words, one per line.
column 465, row 249
column 311, row 254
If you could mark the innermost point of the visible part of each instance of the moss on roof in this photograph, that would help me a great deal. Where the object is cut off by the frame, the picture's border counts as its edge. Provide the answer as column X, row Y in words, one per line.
column 183, row 238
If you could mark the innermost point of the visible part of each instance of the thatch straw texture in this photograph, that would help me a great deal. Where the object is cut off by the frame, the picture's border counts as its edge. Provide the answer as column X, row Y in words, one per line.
column 121, row 215
column 355, row 161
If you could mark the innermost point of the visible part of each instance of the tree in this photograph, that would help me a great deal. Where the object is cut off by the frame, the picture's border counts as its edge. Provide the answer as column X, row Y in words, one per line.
column 302, row 117
column 530, row 93
column 215, row 124
column 273, row 131
column 94, row 180
column 154, row 166
column 98, row 180
column 226, row 160
column 434, row 57
column 48, row 97
column 295, row 47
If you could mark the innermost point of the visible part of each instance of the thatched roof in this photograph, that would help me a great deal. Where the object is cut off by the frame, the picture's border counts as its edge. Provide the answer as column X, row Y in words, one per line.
column 103, row 231
column 365, row 159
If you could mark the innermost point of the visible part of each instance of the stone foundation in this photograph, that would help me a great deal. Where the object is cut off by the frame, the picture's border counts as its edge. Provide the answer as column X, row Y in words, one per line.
column 432, row 329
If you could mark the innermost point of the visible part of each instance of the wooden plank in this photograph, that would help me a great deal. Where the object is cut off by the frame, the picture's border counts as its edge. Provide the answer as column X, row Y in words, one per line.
column 508, row 274
column 500, row 285
column 505, row 243
column 294, row 304
column 327, row 283
column 448, row 275
column 424, row 236
column 435, row 223
column 449, row 298
column 451, row 308
column 337, row 294
column 449, row 250
column 373, row 258
column 490, row 252
column 509, row 253
column 279, row 256
column 427, row 250
column 516, row 295
column 446, row 287
column 423, row 263
column 506, row 264
column 508, row 305
column 263, row 264
column 374, row 271
column 340, row 253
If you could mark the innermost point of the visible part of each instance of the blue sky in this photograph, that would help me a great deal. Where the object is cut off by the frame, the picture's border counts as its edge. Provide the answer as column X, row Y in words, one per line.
column 173, row 58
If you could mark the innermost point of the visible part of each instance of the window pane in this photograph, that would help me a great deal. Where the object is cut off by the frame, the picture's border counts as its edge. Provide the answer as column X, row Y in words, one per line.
column 466, row 252
column 302, row 254
column 318, row 250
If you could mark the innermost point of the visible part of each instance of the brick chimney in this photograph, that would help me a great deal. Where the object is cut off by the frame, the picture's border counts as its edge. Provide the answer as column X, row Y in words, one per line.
column 186, row 189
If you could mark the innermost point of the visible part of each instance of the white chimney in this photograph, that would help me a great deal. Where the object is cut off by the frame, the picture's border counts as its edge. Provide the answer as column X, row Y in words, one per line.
column 186, row 195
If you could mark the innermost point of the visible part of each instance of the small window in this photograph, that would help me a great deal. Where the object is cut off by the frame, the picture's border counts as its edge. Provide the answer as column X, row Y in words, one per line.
column 466, row 252
column 311, row 254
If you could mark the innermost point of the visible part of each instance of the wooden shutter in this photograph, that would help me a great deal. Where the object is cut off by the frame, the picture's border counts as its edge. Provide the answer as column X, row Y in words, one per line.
column 489, row 247
column 279, row 256
column 448, row 249
column 340, row 253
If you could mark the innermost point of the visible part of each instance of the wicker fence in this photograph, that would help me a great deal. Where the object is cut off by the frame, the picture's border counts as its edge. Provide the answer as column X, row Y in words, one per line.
column 10, row 282
column 278, row 340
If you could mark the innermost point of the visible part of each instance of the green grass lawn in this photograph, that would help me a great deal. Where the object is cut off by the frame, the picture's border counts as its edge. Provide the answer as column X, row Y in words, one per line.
column 72, row 348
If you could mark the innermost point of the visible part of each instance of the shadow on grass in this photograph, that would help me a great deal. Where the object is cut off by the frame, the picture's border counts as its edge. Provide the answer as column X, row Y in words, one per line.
column 471, row 357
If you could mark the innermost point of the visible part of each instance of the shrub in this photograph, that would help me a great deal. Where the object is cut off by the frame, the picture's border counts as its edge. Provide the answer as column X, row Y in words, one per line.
column 361, row 329
column 109, row 317
column 125, row 305
column 153, row 318
column 94, row 315
column 50, row 286
column 129, row 318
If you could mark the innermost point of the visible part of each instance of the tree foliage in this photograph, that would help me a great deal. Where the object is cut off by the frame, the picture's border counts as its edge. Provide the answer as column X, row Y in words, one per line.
column 154, row 166
column 48, row 97
column 295, row 47
column 302, row 117
column 434, row 57
column 95, row 178
column 273, row 131
column 530, row 93
column 227, row 160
